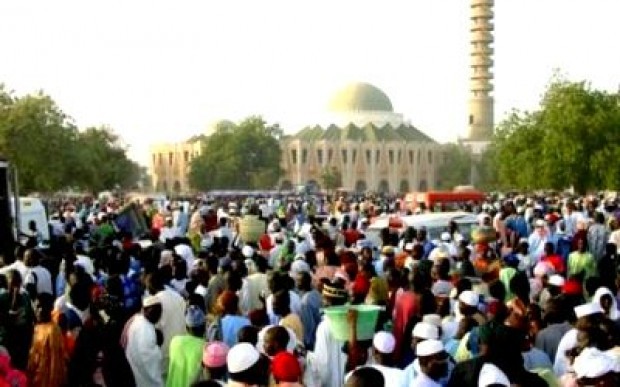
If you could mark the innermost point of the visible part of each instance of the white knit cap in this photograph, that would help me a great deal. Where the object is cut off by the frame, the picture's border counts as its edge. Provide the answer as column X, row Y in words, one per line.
column 150, row 301
column 384, row 342
column 593, row 363
column 469, row 297
column 556, row 280
column 428, row 348
column 247, row 251
column 434, row 319
column 587, row 309
column 446, row 237
column 425, row 330
column 491, row 375
column 241, row 357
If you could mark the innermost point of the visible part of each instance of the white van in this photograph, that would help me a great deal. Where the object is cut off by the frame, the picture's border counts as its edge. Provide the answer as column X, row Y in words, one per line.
column 434, row 222
column 31, row 209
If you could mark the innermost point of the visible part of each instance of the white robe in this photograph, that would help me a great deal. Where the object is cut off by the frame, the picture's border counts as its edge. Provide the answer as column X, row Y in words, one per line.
column 172, row 322
column 421, row 380
column 327, row 358
column 569, row 341
column 249, row 296
column 143, row 354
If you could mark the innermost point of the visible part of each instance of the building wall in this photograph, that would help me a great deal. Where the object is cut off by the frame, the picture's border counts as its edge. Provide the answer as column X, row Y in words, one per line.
column 375, row 166
column 170, row 166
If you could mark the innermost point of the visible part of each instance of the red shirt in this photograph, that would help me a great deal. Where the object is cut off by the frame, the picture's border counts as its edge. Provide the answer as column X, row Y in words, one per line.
column 556, row 261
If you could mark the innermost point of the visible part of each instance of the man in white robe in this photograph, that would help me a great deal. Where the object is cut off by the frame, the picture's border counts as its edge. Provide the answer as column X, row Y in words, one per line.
column 142, row 352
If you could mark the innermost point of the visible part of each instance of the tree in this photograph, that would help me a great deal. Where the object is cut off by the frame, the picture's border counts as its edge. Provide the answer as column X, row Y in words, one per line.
column 103, row 161
column 331, row 178
column 37, row 137
column 51, row 154
column 456, row 170
column 239, row 156
column 570, row 141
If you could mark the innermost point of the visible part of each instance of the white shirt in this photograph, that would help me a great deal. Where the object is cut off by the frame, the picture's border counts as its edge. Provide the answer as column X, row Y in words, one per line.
column 17, row 265
column 172, row 322
column 569, row 341
column 169, row 233
column 253, row 285
column 393, row 376
column 143, row 354
column 43, row 279
column 327, row 359
column 421, row 380
column 295, row 306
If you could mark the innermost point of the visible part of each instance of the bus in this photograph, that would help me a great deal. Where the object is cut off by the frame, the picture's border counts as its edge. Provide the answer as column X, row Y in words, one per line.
column 442, row 201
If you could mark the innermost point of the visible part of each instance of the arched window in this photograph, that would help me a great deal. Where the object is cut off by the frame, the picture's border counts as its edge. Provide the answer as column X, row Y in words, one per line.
column 384, row 186
column 286, row 185
column 360, row 186
column 404, row 186
column 177, row 186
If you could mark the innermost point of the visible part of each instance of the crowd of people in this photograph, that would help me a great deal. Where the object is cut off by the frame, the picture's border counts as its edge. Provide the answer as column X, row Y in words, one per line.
column 530, row 298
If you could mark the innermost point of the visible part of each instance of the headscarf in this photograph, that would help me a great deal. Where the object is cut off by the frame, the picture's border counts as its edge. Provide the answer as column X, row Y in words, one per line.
column 614, row 314
column 505, row 275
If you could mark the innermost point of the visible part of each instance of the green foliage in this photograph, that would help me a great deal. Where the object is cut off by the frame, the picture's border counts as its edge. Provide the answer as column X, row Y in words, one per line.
column 51, row 154
column 331, row 178
column 573, row 139
column 239, row 156
column 456, row 170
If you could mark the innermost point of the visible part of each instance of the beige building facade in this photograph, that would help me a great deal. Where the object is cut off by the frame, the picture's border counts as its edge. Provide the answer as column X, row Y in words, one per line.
column 361, row 136
column 170, row 165
column 372, row 147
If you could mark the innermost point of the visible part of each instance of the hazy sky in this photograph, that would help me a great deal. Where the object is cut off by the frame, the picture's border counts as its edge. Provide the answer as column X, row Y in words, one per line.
column 163, row 70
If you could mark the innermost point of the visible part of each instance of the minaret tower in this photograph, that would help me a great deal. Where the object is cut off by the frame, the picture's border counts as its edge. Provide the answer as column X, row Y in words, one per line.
column 481, row 75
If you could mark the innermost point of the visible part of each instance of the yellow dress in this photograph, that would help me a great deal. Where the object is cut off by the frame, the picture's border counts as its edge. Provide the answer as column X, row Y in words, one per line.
column 47, row 363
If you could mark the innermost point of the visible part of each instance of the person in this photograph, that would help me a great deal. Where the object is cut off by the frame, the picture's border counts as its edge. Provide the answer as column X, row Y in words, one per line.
column 281, row 308
column 328, row 359
column 598, row 235
column 490, row 375
column 16, row 321
column 254, row 285
column 383, row 345
column 172, row 321
column 186, row 351
column 38, row 279
column 366, row 377
column 142, row 350
column 286, row 370
column 169, row 231
column 310, row 312
column 34, row 237
column 608, row 303
column 245, row 367
column 214, row 362
column 229, row 322
column 581, row 262
column 596, row 368
column 548, row 339
column 47, row 362
column 433, row 364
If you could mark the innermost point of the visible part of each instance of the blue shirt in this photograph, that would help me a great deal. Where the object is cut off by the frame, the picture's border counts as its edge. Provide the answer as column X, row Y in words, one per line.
column 230, row 328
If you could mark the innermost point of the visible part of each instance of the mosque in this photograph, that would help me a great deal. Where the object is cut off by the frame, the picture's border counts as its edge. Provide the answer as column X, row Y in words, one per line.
column 373, row 147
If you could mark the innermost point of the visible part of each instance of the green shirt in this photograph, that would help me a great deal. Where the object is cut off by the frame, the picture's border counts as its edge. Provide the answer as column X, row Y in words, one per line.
column 185, row 360
column 581, row 262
